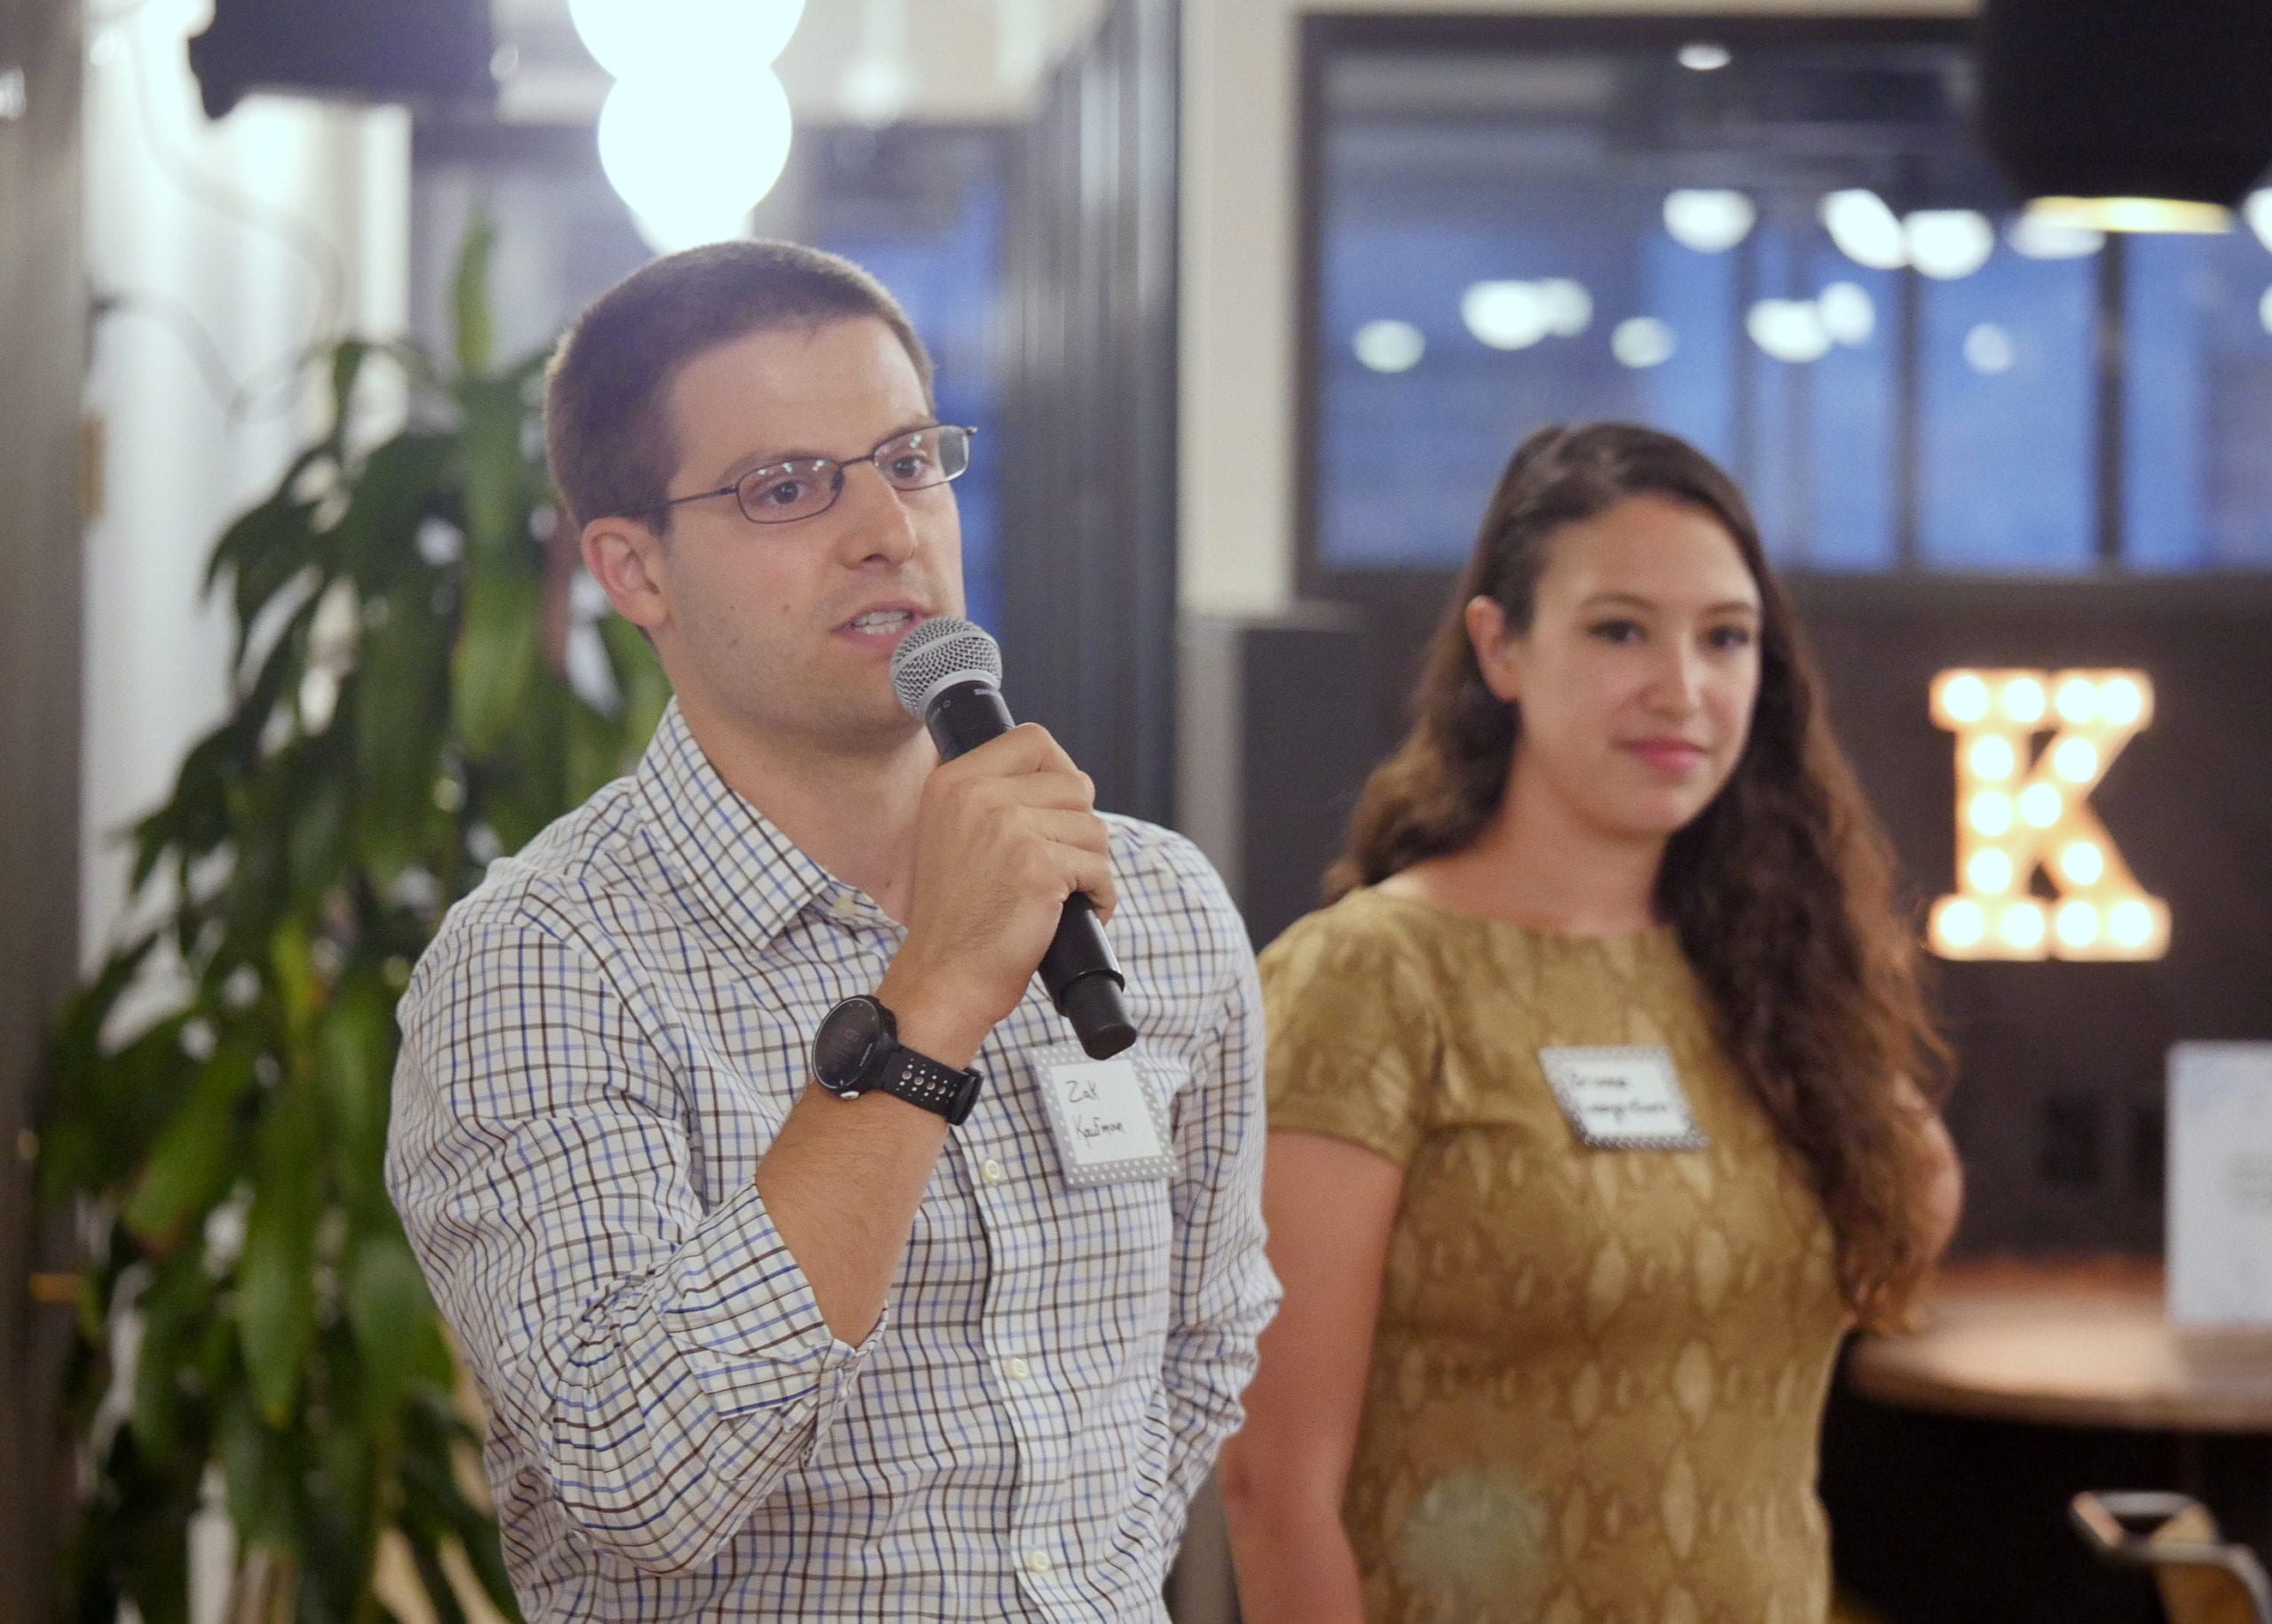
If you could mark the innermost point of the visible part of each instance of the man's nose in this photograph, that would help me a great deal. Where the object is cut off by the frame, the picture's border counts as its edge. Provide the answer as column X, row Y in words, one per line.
column 882, row 527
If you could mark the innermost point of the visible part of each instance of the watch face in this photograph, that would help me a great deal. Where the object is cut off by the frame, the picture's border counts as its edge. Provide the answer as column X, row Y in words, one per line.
column 845, row 1042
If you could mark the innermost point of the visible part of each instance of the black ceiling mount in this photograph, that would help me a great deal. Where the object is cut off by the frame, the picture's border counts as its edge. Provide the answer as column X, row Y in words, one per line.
column 432, row 52
column 2146, row 99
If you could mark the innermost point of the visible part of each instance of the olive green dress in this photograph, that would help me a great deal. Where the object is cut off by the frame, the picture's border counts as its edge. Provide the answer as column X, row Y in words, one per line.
column 1598, row 1380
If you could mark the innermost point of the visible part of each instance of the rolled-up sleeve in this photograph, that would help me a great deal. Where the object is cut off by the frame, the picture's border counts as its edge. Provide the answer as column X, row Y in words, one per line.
column 663, row 1360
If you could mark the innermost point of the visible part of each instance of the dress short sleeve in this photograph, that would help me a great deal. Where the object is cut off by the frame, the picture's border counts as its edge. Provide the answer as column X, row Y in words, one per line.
column 1353, row 1048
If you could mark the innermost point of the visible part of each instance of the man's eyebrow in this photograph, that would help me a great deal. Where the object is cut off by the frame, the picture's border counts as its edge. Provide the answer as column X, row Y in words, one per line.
column 740, row 466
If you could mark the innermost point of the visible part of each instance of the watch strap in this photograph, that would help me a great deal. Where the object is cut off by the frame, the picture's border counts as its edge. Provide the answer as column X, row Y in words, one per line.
column 922, row 1081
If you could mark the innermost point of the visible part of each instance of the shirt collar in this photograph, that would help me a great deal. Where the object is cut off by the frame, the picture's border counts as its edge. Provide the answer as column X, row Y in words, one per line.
column 751, row 872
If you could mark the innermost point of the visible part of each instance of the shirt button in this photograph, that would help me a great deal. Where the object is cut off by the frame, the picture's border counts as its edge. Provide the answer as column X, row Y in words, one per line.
column 1037, row 1562
column 992, row 1171
column 1018, row 1368
column 843, row 906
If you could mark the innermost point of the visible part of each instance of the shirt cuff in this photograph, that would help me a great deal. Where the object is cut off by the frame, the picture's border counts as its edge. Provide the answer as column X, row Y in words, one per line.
column 740, row 1307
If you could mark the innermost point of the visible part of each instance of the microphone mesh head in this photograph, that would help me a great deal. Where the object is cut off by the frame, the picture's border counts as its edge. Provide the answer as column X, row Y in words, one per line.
column 937, row 655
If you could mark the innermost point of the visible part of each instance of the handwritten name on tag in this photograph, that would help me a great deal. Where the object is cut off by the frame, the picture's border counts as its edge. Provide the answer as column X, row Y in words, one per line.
column 1108, row 1127
column 1622, row 1099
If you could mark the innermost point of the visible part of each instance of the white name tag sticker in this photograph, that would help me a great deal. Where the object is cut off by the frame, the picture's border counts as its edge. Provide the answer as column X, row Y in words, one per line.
column 1622, row 1099
column 1110, row 1129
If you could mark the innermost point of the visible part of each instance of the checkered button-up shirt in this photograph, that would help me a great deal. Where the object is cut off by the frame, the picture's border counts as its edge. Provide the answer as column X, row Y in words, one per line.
column 599, row 1046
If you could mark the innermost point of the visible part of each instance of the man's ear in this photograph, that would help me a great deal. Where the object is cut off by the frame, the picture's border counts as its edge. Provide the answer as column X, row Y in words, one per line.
column 1497, row 649
column 625, row 556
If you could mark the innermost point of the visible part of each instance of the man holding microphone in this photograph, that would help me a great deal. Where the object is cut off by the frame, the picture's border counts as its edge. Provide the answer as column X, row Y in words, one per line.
column 808, row 1268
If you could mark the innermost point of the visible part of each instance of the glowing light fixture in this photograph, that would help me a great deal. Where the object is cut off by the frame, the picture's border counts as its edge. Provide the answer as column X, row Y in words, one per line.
column 2100, row 911
column 1704, row 57
column 1959, row 921
column 1642, row 341
column 2257, row 210
column 693, row 162
column 1507, row 315
column 2077, row 700
column 1864, row 229
column 1988, row 350
column 1708, row 221
column 1962, row 697
column 1848, row 314
column 696, row 130
column 2039, row 236
column 1569, row 307
column 1990, row 870
column 2133, row 213
column 1788, row 329
column 2023, row 699
column 1991, row 759
column 1389, row 346
column 1992, row 812
column 1948, row 244
column 642, row 39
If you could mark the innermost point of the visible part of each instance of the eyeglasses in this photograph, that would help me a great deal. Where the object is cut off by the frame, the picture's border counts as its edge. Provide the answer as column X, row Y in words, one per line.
column 782, row 492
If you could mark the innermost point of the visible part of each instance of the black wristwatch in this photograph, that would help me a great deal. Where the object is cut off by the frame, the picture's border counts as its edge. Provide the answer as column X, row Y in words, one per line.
column 857, row 1051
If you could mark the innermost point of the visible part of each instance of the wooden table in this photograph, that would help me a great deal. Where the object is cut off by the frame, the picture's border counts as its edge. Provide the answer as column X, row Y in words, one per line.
column 2088, row 1344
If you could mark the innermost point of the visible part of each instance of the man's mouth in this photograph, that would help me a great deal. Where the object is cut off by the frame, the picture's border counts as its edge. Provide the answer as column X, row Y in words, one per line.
column 881, row 622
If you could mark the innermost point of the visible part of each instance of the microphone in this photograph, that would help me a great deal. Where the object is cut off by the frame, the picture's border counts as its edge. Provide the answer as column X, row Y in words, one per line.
column 948, row 675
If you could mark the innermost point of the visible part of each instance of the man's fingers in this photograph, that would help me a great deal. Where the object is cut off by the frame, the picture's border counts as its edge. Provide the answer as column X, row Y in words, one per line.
column 1071, row 827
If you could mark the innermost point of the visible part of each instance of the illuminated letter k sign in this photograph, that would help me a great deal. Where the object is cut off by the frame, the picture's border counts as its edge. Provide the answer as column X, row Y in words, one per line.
column 2019, row 811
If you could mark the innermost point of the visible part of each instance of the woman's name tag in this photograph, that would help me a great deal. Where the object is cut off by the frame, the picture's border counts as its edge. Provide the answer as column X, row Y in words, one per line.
column 1110, row 1129
column 1622, row 1099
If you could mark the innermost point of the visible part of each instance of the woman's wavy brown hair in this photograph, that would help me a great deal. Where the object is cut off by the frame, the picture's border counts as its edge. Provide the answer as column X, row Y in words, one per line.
column 1780, row 892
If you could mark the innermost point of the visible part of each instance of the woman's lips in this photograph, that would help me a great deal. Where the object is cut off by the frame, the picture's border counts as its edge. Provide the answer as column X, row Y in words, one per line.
column 1666, row 756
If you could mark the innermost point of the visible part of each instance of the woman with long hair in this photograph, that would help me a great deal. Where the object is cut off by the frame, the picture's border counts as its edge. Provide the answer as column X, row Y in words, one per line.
column 1603, row 1097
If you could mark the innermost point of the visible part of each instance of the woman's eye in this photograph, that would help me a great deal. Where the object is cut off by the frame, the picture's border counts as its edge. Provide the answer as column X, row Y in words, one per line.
column 913, row 465
column 1618, row 631
column 783, row 493
column 1728, row 639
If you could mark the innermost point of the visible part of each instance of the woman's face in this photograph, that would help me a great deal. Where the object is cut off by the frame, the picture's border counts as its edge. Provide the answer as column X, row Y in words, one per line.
column 1637, row 675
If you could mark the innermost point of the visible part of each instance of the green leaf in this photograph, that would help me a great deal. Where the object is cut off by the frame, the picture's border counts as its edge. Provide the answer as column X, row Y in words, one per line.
column 497, row 663
column 400, row 705
column 276, row 1276
column 174, row 1310
column 469, row 297
column 639, row 678
column 497, row 477
column 346, row 365
column 191, row 1166
column 263, row 1479
column 354, row 1048
column 394, row 1324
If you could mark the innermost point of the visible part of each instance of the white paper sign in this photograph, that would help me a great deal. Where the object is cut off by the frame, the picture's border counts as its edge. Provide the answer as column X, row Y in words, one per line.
column 2219, row 1242
column 1108, row 1127
column 1622, row 1099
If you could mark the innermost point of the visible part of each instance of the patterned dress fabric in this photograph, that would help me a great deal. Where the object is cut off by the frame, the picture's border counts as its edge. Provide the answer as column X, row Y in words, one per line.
column 1597, row 1379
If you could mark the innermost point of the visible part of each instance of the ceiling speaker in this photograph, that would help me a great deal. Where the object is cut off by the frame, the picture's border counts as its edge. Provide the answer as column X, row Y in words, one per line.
column 2128, row 100
column 431, row 52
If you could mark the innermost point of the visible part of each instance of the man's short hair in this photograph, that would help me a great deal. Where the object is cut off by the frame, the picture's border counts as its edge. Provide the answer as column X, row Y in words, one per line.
column 608, row 437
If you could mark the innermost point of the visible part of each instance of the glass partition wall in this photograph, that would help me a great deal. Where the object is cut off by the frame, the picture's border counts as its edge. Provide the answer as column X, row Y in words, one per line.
column 1778, row 240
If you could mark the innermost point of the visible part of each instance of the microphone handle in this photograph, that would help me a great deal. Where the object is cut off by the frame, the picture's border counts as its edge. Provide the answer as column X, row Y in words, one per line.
column 1083, row 978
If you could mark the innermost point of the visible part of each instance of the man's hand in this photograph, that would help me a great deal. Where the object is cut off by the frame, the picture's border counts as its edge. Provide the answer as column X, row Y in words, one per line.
column 1005, row 833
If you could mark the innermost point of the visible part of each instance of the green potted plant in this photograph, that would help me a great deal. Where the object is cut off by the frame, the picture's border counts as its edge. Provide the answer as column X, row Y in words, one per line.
column 402, row 711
